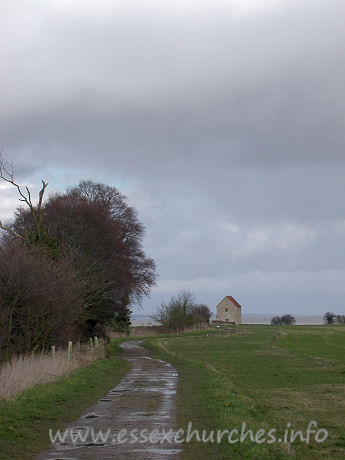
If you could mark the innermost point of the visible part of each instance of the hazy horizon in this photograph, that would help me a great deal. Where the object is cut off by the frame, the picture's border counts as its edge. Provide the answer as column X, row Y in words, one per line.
column 301, row 320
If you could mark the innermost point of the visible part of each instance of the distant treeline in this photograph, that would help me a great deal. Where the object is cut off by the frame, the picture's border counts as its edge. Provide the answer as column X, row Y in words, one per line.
column 69, row 265
column 333, row 318
column 285, row 320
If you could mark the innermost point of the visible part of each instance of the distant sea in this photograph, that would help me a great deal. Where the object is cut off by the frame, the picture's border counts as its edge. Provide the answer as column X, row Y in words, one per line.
column 145, row 320
column 266, row 319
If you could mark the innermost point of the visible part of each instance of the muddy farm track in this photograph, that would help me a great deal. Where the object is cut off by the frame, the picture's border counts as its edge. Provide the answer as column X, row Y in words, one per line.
column 144, row 401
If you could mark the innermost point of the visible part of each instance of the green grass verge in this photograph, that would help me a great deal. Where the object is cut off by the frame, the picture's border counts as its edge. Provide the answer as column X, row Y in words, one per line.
column 25, row 420
column 266, row 376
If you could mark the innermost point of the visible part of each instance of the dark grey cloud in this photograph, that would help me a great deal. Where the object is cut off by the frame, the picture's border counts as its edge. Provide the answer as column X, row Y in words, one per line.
column 222, row 121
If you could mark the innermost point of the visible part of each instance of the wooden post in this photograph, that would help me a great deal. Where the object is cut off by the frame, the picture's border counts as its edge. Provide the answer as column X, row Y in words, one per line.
column 96, row 342
column 69, row 352
column 53, row 351
column 91, row 344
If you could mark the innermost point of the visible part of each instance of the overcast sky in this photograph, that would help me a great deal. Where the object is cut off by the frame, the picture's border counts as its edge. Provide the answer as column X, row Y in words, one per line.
column 222, row 121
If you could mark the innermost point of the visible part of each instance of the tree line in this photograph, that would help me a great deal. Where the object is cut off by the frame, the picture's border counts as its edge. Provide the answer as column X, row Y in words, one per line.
column 69, row 264
column 285, row 320
column 333, row 318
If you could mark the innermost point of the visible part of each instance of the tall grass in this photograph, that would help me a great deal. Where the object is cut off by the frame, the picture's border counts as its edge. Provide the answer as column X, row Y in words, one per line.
column 24, row 371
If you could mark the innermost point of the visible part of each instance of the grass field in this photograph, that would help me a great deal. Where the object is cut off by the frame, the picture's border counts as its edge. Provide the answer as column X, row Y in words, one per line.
column 264, row 376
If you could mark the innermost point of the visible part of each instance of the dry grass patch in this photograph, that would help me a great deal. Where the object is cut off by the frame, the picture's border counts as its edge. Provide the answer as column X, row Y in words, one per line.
column 25, row 371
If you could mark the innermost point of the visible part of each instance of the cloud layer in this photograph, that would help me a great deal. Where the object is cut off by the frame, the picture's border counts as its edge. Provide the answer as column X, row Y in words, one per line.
column 222, row 121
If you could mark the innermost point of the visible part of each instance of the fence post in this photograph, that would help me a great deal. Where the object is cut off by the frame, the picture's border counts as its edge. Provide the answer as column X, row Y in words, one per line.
column 69, row 352
column 96, row 342
column 91, row 344
column 53, row 351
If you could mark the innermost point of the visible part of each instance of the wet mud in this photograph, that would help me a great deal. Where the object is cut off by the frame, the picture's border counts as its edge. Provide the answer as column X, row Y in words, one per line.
column 141, row 406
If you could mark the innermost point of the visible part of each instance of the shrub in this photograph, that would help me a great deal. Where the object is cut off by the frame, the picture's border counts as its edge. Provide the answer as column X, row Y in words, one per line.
column 285, row 320
column 329, row 317
column 39, row 300
column 202, row 313
column 178, row 313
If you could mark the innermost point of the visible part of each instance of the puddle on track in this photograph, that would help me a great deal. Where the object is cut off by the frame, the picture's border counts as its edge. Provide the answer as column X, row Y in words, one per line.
column 144, row 399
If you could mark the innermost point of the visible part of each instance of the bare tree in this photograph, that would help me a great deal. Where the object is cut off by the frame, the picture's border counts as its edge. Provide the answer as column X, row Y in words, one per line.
column 178, row 313
column 340, row 319
column 286, row 320
column 329, row 317
column 7, row 174
column 276, row 321
column 202, row 313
